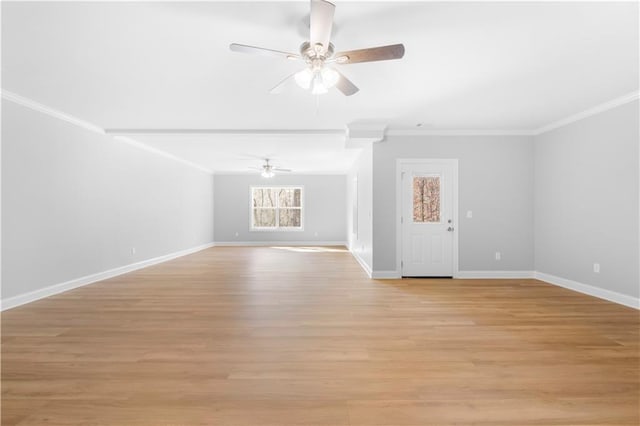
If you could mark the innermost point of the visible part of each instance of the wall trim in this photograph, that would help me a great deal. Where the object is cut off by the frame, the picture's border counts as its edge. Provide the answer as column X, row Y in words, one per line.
column 29, row 103
column 459, row 132
column 279, row 243
column 362, row 263
column 629, row 97
column 386, row 275
column 590, row 290
column 256, row 173
column 37, row 106
column 605, row 106
column 246, row 132
column 32, row 296
column 148, row 148
column 52, row 112
column 495, row 274
column 464, row 274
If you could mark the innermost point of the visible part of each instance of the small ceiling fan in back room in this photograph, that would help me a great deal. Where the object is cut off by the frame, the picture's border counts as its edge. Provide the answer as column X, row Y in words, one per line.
column 320, row 74
column 268, row 169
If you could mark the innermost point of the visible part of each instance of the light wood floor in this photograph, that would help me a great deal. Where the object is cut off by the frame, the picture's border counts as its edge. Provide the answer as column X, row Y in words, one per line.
column 266, row 336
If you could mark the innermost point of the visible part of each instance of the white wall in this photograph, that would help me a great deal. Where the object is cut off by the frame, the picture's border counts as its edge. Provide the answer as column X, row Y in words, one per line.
column 361, row 235
column 324, row 209
column 586, row 201
column 75, row 202
column 495, row 183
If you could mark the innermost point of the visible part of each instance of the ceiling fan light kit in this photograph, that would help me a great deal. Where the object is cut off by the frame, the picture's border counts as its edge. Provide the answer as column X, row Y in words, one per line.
column 268, row 170
column 319, row 80
column 267, row 174
column 318, row 53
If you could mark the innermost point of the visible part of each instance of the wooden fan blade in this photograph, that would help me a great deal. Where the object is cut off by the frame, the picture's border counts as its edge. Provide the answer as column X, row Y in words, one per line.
column 382, row 53
column 285, row 83
column 346, row 86
column 320, row 23
column 243, row 48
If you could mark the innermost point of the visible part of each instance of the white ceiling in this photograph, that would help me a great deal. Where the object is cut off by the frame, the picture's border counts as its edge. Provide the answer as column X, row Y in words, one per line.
column 305, row 153
column 164, row 65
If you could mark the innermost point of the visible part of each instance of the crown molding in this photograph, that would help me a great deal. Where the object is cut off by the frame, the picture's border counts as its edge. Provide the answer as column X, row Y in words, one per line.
column 37, row 106
column 313, row 132
column 613, row 103
column 140, row 145
column 124, row 135
column 245, row 132
column 296, row 173
column 629, row 97
column 455, row 132
column 353, row 1
column 52, row 112
column 359, row 135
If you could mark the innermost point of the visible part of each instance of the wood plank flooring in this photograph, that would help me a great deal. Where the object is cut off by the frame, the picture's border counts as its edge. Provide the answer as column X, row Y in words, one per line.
column 273, row 336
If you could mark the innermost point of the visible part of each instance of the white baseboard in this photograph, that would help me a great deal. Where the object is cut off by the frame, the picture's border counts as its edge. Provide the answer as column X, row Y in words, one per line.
column 464, row 274
column 32, row 296
column 590, row 290
column 22, row 299
column 386, row 275
column 395, row 274
column 362, row 263
column 279, row 243
column 495, row 274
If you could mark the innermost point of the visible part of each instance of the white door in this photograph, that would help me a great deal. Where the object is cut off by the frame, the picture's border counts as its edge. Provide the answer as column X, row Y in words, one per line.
column 427, row 219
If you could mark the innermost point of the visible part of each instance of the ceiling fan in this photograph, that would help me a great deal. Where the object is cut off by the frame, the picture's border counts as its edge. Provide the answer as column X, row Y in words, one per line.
column 268, row 169
column 318, row 54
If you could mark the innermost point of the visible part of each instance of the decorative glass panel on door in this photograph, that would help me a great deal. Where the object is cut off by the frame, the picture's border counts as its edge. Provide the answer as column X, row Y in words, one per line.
column 426, row 199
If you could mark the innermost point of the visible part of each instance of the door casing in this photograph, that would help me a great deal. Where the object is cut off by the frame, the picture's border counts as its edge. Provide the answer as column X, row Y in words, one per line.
column 400, row 162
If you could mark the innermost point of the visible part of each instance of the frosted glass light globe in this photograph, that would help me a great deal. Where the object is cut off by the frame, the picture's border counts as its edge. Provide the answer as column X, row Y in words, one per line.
column 304, row 77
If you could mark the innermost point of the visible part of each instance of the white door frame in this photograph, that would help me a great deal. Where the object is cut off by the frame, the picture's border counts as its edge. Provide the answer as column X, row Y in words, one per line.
column 456, row 225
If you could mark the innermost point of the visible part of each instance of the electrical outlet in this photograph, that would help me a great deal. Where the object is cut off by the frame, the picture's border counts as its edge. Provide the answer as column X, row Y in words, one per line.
column 133, row 250
column 596, row 268
column 315, row 234
column 237, row 234
column 498, row 255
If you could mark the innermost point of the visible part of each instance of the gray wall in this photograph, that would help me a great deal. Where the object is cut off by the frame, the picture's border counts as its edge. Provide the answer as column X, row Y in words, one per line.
column 586, row 200
column 75, row 202
column 361, row 235
column 324, row 208
column 495, row 182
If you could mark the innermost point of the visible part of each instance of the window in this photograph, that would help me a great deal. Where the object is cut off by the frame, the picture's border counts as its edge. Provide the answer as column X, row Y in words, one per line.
column 276, row 208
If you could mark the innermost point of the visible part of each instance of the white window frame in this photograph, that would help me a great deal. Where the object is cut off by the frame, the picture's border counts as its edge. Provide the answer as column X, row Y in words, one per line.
column 277, row 228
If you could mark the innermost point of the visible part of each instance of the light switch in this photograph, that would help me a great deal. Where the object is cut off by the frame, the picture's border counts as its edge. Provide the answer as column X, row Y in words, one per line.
column 469, row 214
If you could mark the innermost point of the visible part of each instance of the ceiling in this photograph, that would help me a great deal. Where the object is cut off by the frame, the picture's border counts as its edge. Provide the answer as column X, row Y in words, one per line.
column 305, row 153
column 164, row 65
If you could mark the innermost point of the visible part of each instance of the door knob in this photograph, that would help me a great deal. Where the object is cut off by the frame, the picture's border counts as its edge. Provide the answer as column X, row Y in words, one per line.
column 450, row 229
